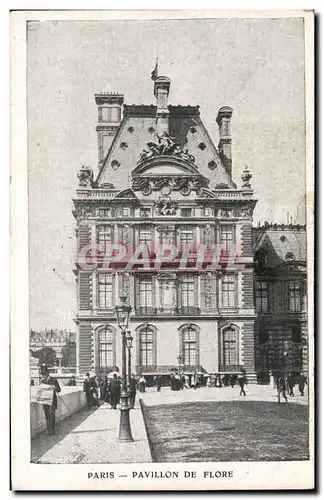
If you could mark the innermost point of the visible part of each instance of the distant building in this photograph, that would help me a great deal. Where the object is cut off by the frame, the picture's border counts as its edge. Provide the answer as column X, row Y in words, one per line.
column 59, row 340
column 281, row 297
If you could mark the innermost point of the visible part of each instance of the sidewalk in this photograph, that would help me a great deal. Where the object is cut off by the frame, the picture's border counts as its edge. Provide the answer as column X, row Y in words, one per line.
column 91, row 437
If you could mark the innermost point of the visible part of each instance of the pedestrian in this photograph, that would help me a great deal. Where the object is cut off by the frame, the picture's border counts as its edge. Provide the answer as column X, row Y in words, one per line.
column 158, row 383
column 208, row 381
column 301, row 384
column 186, row 382
column 88, row 389
column 32, row 382
column 114, row 391
column 194, row 381
column 72, row 381
column 242, row 382
column 272, row 380
column 233, row 380
column 133, row 387
column 281, row 388
column 49, row 409
column 142, row 384
column 290, row 385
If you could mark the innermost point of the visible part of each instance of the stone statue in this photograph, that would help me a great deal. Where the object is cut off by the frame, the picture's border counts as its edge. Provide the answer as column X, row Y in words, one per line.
column 165, row 145
column 85, row 176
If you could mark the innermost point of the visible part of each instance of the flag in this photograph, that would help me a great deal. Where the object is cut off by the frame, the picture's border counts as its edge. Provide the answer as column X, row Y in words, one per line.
column 154, row 73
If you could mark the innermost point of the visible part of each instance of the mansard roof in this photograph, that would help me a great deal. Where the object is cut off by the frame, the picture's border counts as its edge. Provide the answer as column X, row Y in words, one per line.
column 138, row 127
column 281, row 243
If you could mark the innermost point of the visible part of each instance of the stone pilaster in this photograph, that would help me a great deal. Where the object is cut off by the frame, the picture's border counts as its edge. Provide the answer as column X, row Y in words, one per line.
column 248, row 348
column 85, row 349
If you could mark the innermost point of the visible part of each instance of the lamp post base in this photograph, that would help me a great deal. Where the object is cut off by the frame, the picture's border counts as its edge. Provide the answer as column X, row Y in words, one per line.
column 125, row 432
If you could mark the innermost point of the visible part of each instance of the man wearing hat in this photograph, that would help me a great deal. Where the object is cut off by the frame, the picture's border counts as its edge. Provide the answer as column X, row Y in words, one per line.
column 49, row 410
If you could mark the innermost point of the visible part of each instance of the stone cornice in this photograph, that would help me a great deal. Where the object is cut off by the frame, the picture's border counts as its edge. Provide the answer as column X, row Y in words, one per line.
column 140, row 110
column 280, row 227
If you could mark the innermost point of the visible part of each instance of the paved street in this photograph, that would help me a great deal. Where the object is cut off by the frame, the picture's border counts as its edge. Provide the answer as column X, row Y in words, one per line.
column 253, row 393
column 90, row 435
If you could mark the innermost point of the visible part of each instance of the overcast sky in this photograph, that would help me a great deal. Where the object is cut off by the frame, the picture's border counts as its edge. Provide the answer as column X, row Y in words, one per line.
column 254, row 66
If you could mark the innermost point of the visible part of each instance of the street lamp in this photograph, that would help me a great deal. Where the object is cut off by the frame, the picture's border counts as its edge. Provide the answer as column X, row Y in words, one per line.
column 123, row 312
column 129, row 344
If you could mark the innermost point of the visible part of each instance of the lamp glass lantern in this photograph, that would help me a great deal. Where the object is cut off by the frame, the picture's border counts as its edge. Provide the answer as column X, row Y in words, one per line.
column 123, row 313
column 129, row 340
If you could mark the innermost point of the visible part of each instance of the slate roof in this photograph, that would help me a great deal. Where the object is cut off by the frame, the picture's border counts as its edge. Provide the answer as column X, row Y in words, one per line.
column 280, row 241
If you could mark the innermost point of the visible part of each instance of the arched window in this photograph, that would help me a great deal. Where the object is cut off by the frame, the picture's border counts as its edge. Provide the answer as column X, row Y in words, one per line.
column 229, row 348
column 146, row 346
column 106, row 348
column 189, row 346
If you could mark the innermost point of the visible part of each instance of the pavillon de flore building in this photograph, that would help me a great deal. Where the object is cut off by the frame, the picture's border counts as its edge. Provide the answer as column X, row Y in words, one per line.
column 158, row 225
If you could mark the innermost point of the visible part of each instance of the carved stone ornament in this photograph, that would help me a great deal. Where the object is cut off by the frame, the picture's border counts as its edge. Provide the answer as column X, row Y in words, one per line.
column 246, row 177
column 245, row 213
column 207, row 234
column 208, row 291
column 85, row 176
column 225, row 213
column 166, row 145
column 166, row 207
column 84, row 213
column 125, row 235
column 167, row 184
column 126, row 286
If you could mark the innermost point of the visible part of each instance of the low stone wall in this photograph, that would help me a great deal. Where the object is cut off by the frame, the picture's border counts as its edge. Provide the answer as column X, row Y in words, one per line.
column 69, row 401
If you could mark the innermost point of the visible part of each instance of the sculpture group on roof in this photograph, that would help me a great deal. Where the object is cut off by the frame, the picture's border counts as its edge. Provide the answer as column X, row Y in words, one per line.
column 166, row 145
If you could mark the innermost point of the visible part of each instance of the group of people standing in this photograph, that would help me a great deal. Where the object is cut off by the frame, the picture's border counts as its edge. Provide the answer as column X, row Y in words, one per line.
column 107, row 389
column 285, row 384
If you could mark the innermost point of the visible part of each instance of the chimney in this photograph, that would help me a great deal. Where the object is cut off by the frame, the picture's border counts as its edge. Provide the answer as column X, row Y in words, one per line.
column 109, row 118
column 161, row 92
column 223, row 121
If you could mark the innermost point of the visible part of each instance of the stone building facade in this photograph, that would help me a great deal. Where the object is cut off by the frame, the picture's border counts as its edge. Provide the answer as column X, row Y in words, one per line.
column 161, row 185
column 281, row 297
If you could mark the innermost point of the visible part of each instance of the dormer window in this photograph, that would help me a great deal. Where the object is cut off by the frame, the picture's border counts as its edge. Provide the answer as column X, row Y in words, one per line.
column 261, row 259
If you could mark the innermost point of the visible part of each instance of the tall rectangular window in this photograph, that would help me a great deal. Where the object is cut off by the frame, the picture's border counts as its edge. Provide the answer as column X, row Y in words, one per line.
column 189, row 347
column 145, row 292
column 261, row 296
column 228, row 291
column 104, row 234
column 227, row 237
column 186, row 236
column 188, row 292
column 105, row 290
column 230, row 350
column 294, row 296
column 146, row 347
column 145, row 236
column 106, row 349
